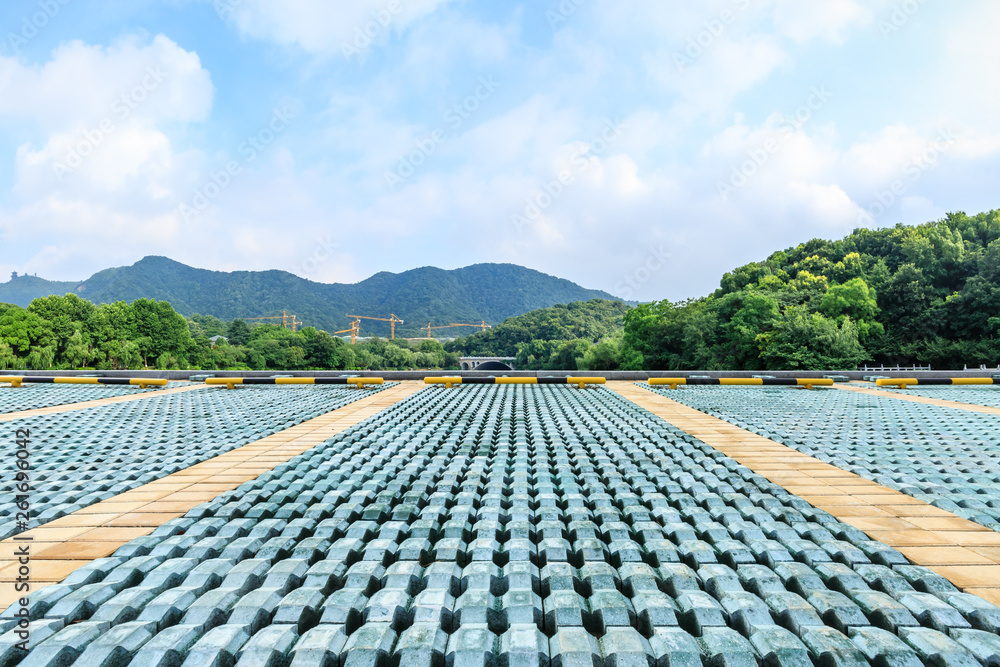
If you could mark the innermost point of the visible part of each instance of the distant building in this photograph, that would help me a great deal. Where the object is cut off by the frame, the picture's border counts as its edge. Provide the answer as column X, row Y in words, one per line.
column 215, row 339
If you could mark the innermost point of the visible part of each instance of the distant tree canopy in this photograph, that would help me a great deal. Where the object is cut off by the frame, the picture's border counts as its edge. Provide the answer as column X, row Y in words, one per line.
column 67, row 332
column 928, row 294
column 579, row 335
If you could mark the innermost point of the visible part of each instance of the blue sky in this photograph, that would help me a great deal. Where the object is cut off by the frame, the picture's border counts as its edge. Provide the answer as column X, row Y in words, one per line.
column 642, row 147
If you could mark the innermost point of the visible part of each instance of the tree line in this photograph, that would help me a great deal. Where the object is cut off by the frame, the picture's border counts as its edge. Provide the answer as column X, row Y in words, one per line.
column 67, row 332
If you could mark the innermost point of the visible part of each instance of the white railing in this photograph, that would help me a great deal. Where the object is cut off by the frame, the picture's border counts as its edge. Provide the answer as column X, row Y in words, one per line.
column 895, row 369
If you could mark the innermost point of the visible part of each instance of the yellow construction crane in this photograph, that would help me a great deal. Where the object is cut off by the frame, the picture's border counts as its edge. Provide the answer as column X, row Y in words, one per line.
column 482, row 325
column 354, row 330
column 285, row 318
column 392, row 319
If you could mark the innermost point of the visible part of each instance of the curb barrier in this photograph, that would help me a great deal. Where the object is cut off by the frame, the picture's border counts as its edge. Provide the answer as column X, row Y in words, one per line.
column 902, row 383
column 580, row 382
column 808, row 383
column 231, row 383
column 18, row 380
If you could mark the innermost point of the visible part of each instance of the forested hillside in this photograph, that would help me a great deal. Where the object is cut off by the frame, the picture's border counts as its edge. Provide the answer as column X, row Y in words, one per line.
column 491, row 292
column 928, row 294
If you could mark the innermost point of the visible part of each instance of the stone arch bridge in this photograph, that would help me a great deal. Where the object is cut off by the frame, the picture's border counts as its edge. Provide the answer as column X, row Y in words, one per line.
column 487, row 363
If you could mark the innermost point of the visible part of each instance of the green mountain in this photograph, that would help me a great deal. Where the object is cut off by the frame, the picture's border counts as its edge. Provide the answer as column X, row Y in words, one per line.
column 490, row 292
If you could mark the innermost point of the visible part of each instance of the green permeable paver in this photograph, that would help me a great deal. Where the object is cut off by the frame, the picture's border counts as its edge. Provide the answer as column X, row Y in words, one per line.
column 947, row 457
column 486, row 525
column 83, row 457
column 988, row 396
column 36, row 396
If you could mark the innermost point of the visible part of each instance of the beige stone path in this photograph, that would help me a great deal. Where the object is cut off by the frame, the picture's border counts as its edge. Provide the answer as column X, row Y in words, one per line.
column 960, row 550
column 83, row 405
column 65, row 544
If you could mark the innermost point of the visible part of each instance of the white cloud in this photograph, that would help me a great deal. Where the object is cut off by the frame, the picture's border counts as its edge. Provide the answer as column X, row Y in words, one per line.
column 324, row 27
column 107, row 176
column 82, row 84
column 829, row 20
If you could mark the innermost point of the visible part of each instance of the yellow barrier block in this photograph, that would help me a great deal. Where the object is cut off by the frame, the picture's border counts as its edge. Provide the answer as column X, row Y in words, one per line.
column 229, row 382
column 582, row 382
column 808, row 383
column 294, row 380
column 972, row 381
column 899, row 383
column 741, row 381
column 360, row 383
column 447, row 381
column 151, row 382
column 669, row 382
column 18, row 381
column 72, row 380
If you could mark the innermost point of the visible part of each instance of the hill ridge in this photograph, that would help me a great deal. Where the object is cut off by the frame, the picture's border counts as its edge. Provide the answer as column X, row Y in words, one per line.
column 482, row 291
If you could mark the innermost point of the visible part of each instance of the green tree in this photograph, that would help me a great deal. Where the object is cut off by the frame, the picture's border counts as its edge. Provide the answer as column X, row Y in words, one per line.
column 853, row 298
column 7, row 357
column 238, row 332
column 809, row 341
column 129, row 355
column 78, row 351
column 41, row 357
column 604, row 356
column 22, row 329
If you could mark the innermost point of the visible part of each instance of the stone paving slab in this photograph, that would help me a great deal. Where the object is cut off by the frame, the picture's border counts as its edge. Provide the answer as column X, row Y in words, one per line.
column 508, row 526
column 63, row 545
column 926, row 535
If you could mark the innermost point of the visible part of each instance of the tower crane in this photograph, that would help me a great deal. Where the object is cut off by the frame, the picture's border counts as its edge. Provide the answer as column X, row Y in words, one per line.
column 392, row 320
column 285, row 318
column 355, row 330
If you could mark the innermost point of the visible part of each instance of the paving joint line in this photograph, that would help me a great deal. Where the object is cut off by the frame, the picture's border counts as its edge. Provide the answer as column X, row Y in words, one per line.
column 960, row 550
column 65, row 544
column 940, row 402
column 97, row 402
